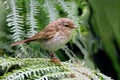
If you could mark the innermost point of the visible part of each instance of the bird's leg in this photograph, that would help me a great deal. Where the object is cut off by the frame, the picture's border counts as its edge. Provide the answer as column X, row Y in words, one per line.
column 53, row 58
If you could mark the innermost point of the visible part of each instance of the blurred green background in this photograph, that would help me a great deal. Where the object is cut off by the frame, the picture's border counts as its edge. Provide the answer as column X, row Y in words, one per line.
column 105, row 24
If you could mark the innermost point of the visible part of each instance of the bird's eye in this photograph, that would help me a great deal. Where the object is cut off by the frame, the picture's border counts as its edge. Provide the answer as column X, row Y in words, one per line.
column 66, row 25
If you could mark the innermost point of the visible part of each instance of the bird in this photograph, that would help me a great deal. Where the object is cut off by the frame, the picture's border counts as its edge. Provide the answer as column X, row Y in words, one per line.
column 53, row 37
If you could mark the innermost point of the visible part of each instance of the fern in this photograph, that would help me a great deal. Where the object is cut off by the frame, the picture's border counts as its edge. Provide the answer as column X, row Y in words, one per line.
column 70, row 54
column 51, row 10
column 15, row 22
column 31, row 20
column 43, row 69
column 14, row 19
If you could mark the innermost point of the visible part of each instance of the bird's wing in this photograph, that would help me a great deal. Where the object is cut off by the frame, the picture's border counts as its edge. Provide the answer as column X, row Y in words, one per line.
column 46, row 33
column 49, row 32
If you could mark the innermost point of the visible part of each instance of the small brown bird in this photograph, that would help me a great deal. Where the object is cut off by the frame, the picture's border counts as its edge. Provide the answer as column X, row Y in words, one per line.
column 53, row 37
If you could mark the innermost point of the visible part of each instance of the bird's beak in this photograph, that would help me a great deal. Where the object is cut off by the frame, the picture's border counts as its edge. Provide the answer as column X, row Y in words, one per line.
column 75, row 27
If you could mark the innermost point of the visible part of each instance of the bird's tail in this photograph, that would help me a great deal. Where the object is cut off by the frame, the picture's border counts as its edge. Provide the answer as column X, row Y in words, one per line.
column 22, row 41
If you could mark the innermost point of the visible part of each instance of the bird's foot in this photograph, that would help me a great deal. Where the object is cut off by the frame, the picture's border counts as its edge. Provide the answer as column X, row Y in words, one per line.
column 54, row 59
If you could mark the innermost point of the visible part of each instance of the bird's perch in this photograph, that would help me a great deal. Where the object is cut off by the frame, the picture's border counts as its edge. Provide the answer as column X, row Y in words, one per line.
column 41, row 68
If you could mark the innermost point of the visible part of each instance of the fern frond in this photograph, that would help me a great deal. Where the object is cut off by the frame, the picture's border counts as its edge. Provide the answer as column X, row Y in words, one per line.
column 43, row 69
column 82, row 48
column 15, row 22
column 51, row 10
column 31, row 20
column 70, row 54
column 6, row 64
column 31, row 72
column 104, row 77
column 56, row 75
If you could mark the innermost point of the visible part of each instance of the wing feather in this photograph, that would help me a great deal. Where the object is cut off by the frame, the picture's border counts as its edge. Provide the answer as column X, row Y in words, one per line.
column 46, row 33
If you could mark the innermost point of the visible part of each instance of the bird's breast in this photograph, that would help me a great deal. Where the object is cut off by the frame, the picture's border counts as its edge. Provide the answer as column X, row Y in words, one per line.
column 56, row 42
